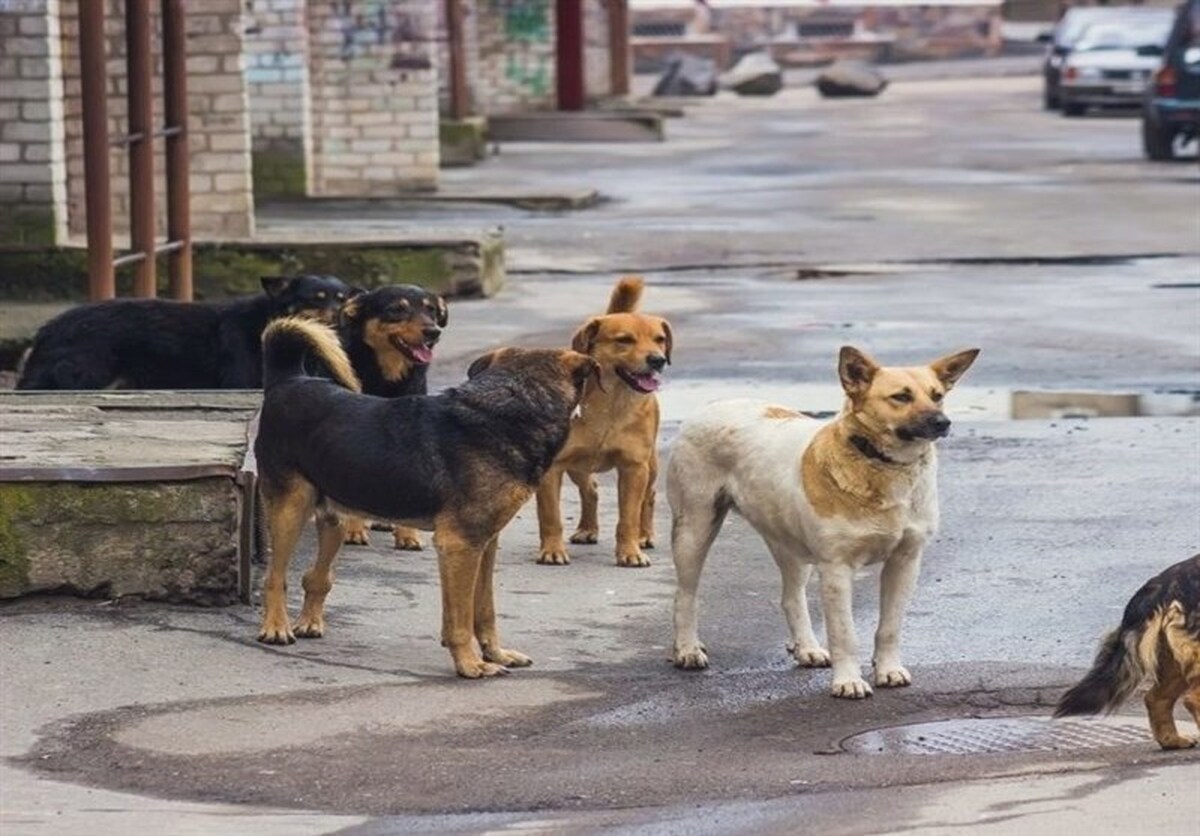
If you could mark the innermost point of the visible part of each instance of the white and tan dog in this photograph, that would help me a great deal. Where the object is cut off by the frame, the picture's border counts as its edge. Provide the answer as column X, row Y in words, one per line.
column 837, row 495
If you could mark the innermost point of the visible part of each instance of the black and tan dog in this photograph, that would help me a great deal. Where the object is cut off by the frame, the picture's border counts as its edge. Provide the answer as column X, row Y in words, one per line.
column 390, row 334
column 617, row 429
column 163, row 344
column 461, row 463
column 1159, row 639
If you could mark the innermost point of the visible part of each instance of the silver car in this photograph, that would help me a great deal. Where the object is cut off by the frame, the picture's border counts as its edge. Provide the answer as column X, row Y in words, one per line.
column 1112, row 62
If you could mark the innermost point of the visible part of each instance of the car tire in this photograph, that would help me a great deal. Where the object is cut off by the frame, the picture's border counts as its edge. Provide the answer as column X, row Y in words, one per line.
column 1073, row 109
column 1158, row 141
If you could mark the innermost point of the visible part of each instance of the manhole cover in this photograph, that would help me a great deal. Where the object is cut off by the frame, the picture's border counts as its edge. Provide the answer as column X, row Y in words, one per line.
column 1011, row 734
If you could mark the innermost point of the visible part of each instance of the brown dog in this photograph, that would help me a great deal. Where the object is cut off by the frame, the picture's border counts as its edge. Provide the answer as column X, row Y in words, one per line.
column 1159, row 639
column 462, row 463
column 618, row 428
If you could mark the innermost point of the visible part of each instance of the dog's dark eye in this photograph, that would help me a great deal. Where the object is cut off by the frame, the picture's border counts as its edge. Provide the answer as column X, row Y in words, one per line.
column 937, row 396
column 660, row 339
column 626, row 339
column 341, row 297
column 902, row 397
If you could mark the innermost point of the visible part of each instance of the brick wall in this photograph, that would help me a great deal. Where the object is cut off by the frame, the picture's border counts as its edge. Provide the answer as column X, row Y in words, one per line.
column 597, row 78
column 32, row 169
column 222, row 203
column 277, row 83
column 373, row 97
column 516, row 55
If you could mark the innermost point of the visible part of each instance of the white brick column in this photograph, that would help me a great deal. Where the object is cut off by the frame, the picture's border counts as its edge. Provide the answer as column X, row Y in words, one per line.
column 373, row 91
column 280, row 101
column 33, row 191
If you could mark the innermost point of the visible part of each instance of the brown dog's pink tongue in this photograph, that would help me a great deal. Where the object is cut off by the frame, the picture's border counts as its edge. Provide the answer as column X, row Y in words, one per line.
column 422, row 353
column 648, row 382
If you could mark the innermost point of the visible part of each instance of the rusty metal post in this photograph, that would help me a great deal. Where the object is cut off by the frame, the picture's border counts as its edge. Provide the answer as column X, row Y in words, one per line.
column 618, row 47
column 94, row 76
column 139, row 79
column 569, row 44
column 179, row 224
column 460, row 103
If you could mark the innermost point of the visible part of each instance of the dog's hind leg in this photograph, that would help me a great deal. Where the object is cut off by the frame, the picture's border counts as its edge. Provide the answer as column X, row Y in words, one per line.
column 553, row 551
column 485, row 615
column 588, row 530
column 694, row 526
column 318, row 580
column 288, row 507
column 896, row 584
column 803, row 644
column 837, row 591
column 1186, row 649
column 646, row 537
column 1160, row 703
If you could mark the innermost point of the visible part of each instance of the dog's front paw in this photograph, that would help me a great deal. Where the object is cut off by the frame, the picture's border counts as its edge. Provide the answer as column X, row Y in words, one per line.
column 478, row 669
column 407, row 539
column 507, row 658
column 276, row 631
column 851, row 688
column 691, row 657
column 809, row 657
column 646, row 541
column 632, row 558
column 309, row 628
column 1177, row 741
column 585, row 536
column 355, row 534
column 554, row 554
column 892, row 676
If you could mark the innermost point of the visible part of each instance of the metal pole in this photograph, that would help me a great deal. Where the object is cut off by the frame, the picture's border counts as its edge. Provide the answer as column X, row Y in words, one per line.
column 460, row 104
column 179, row 224
column 94, row 76
column 568, row 18
column 139, row 63
column 618, row 47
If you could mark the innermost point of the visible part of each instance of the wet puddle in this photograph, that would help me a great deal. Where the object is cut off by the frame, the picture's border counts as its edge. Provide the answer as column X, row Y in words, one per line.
column 681, row 399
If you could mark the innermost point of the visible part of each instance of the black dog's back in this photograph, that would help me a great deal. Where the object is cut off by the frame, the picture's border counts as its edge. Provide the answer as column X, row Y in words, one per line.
column 163, row 344
column 134, row 343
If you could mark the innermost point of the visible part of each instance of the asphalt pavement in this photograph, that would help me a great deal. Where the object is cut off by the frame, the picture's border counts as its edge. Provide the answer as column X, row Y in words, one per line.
column 947, row 214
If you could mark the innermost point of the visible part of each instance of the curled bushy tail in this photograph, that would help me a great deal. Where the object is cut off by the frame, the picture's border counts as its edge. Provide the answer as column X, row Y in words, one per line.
column 287, row 342
column 1115, row 674
column 626, row 295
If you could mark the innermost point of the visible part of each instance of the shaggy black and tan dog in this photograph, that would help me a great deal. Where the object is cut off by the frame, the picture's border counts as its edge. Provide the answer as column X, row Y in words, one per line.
column 1159, row 639
column 164, row 344
column 460, row 463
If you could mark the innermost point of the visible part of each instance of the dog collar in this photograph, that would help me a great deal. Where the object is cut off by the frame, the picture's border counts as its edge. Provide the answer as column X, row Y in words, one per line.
column 863, row 445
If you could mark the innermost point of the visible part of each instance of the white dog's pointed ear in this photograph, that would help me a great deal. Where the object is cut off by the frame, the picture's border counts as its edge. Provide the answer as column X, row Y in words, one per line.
column 953, row 366
column 856, row 370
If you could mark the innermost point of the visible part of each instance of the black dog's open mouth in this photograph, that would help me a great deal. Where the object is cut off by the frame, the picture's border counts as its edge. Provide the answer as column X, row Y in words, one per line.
column 645, row 382
column 420, row 354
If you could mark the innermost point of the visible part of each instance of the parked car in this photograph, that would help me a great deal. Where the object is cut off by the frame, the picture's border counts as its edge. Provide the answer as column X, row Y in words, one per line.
column 1068, row 30
column 1111, row 63
column 1171, row 106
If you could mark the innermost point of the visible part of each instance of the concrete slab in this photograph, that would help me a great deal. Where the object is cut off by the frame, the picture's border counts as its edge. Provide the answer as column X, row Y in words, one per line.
column 585, row 126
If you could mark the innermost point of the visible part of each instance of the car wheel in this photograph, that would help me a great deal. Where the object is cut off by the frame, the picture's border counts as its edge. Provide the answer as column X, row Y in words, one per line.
column 1073, row 109
column 1158, row 141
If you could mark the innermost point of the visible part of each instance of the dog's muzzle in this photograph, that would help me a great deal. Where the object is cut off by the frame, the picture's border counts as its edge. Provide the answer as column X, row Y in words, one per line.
column 927, row 428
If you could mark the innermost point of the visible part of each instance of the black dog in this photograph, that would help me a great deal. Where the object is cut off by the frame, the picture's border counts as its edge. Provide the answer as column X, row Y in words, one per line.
column 390, row 334
column 462, row 463
column 163, row 344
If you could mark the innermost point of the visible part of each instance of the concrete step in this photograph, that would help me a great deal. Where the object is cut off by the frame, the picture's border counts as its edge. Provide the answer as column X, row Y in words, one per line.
column 127, row 494
column 585, row 126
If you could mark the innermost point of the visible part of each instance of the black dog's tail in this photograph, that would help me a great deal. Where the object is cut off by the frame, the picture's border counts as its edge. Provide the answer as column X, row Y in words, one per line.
column 287, row 342
column 1126, row 657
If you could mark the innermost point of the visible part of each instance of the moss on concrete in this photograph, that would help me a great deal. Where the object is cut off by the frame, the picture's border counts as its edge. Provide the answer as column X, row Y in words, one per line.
column 15, row 502
column 220, row 270
column 26, row 226
column 278, row 174
column 463, row 141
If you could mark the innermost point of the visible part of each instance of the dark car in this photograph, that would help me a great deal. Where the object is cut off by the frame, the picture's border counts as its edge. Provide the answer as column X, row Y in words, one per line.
column 1171, row 107
column 1068, row 31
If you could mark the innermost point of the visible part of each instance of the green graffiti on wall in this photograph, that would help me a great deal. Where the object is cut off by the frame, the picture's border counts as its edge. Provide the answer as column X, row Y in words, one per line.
column 527, row 26
column 527, row 20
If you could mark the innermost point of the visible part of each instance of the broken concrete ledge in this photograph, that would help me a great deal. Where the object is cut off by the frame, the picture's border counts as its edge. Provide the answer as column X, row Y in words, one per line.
column 127, row 494
column 454, row 264
column 585, row 126
column 463, row 142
